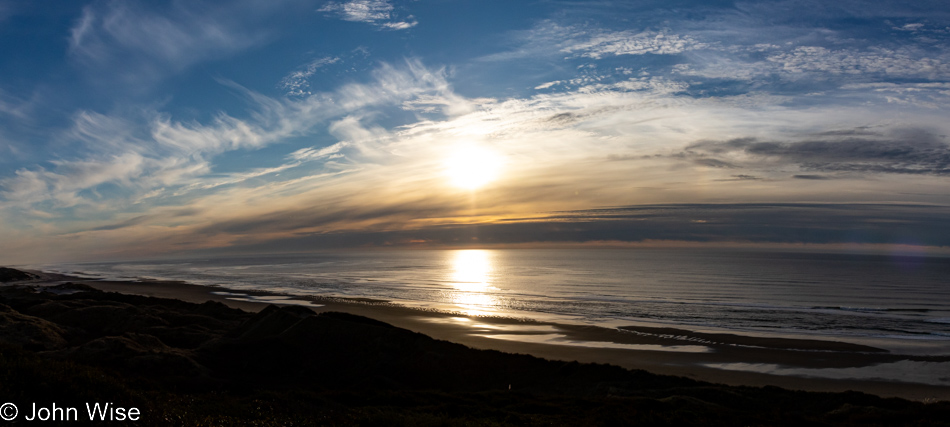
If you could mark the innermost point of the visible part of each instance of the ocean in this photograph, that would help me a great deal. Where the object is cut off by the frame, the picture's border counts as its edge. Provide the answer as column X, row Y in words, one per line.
column 897, row 302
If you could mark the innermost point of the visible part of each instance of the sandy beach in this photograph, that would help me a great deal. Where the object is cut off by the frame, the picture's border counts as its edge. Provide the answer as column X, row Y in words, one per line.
column 752, row 361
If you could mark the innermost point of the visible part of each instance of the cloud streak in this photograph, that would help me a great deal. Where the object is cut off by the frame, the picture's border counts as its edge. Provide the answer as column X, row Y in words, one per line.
column 142, row 45
column 379, row 13
column 602, row 44
column 297, row 83
column 908, row 152
column 171, row 154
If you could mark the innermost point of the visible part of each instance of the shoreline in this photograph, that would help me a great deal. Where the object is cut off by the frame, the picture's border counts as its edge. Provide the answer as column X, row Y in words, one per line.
column 751, row 361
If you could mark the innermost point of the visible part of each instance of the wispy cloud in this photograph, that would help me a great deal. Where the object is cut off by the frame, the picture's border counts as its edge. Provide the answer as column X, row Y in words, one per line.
column 903, row 62
column 759, row 49
column 142, row 45
column 602, row 43
column 549, row 38
column 20, row 109
column 916, row 26
column 804, row 64
column 143, row 153
column 297, row 83
column 379, row 13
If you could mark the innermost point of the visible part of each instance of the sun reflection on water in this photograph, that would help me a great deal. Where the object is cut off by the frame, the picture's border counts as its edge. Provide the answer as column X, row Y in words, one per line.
column 472, row 279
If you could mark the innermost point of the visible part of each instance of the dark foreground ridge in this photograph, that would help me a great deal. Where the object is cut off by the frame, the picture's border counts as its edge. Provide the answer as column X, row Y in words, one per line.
column 208, row 364
column 8, row 275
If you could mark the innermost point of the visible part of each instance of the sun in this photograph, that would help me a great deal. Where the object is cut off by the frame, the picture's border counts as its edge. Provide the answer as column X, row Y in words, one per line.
column 471, row 167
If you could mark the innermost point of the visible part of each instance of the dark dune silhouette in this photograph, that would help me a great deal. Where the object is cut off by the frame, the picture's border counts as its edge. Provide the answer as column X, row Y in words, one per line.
column 12, row 275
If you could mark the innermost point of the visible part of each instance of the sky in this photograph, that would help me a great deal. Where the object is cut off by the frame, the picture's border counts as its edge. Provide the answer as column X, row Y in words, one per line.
column 133, row 129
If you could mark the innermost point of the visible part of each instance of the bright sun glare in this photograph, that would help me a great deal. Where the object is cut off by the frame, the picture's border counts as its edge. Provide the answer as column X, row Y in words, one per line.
column 472, row 270
column 472, row 167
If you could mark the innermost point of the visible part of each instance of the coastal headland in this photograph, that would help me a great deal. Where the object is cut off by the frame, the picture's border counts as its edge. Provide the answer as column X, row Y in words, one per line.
column 182, row 354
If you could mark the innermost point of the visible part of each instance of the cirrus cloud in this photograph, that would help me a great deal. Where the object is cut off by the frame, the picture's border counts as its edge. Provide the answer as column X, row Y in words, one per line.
column 379, row 13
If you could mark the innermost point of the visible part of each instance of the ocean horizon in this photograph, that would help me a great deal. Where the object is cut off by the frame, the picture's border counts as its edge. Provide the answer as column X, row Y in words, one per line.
column 896, row 302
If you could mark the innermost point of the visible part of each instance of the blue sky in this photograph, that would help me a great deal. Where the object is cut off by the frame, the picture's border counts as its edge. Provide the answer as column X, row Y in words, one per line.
column 138, row 129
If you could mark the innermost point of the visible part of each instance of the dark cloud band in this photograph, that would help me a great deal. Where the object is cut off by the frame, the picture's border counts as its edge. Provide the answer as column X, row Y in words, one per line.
column 907, row 152
column 778, row 223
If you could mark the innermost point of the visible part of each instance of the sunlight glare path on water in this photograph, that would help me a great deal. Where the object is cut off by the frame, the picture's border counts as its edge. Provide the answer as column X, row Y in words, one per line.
column 471, row 279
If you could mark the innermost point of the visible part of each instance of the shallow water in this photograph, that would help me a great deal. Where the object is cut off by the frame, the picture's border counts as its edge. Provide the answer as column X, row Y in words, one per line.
column 896, row 302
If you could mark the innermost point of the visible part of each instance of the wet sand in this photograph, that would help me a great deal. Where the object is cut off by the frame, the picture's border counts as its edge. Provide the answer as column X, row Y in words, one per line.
column 659, row 350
